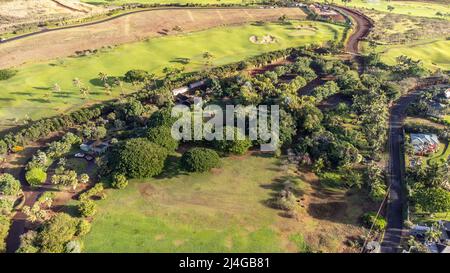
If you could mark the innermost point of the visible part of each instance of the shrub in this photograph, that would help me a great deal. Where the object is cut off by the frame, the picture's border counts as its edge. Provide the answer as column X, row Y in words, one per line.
column 83, row 227
column 56, row 233
column 137, row 158
column 119, row 181
column 73, row 247
column 36, row 176
column 236, row 146
column 162, row 136
column 9, row 185
column 136, row 75
column 87, row 208
column 4, row 228
column 199, row 160
column 370, row 219
column 6, row 74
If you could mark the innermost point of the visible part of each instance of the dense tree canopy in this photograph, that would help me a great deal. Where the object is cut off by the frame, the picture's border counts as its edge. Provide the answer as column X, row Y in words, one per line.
column 162, row 136
column 137, row 158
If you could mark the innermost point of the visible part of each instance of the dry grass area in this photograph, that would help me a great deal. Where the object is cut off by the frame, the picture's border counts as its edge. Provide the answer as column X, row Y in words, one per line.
column 15, row 13
column 391, row 28
column 130, row 28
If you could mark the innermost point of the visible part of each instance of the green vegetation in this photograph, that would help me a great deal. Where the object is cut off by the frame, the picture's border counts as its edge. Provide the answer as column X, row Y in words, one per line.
column 137, row 158
column 162, row 136
column 35, row 176
column 32, row 92
column 441, row 155
column 222, row 211
column 433, row 54
column 200, row 160
column 9, row 185
column 414, row 8
column 370, row 219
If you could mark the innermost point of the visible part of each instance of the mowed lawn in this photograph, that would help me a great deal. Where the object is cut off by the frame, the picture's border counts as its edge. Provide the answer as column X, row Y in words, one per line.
column 220, row 211
column 433, row 54
column 29, row 93
column 413, row 8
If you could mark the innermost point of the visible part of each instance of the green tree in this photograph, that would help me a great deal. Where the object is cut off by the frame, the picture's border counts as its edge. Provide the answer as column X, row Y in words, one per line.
column 56, row 233
column 162, row 136
column 137, row 158
column 200, row 160
column 9, row 185
column 35, row 176
column 432, row 199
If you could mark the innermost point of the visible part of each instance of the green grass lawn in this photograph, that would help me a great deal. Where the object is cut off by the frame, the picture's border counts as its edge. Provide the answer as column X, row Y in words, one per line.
column 434, row 54
column 414, row 8
column 24, row 94
column 441, row 155
column 220, row 211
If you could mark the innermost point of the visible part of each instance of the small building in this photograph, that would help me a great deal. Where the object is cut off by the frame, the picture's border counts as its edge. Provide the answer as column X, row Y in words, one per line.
column 94, row 147
column 180, row 90
column 424, row 143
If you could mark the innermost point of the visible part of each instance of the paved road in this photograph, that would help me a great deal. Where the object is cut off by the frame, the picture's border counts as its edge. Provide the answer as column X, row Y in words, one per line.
column 395, row 203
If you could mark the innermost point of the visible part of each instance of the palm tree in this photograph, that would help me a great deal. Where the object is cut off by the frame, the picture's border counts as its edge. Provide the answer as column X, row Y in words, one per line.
column 56, row 88
column 84, row 92
column 119, row 83
column 77, row 83
column 108, row 89
column 208, row 57
column 103, row 77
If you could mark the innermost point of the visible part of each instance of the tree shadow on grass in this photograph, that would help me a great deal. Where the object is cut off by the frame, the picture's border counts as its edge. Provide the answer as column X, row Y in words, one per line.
column 62, row 94
column 6, row 99
column 69, row 209
column 22, row 93
column 41, row 88
column 39, row 100
column 180, row 60
column 172, row 168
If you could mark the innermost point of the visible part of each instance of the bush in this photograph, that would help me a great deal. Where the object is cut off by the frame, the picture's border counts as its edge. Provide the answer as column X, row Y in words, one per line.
column 119, row 181
column 36, row 176
column 56, row 233
column 136, row 75
column 370, row 219
column 235, row 146
column 137, row 158
column 9, row 185
column 4, row 228
column 87, row 208
column 200, row 160
column 6, row 74
column 83, row 227
column 162, row 136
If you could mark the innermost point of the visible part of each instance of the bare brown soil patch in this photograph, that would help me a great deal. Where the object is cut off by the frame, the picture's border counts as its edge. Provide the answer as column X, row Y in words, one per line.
column 130, row 28
column 17, row 13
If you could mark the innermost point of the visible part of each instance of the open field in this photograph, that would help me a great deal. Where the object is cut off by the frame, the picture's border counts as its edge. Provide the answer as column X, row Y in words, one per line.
column 224, row 210
column 414, row 8
column 434, row 54
column 24, row 94
column 130, row 28
column 14, row 13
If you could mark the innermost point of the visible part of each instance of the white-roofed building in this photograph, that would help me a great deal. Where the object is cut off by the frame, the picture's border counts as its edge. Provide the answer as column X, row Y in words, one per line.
column 424, row 143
